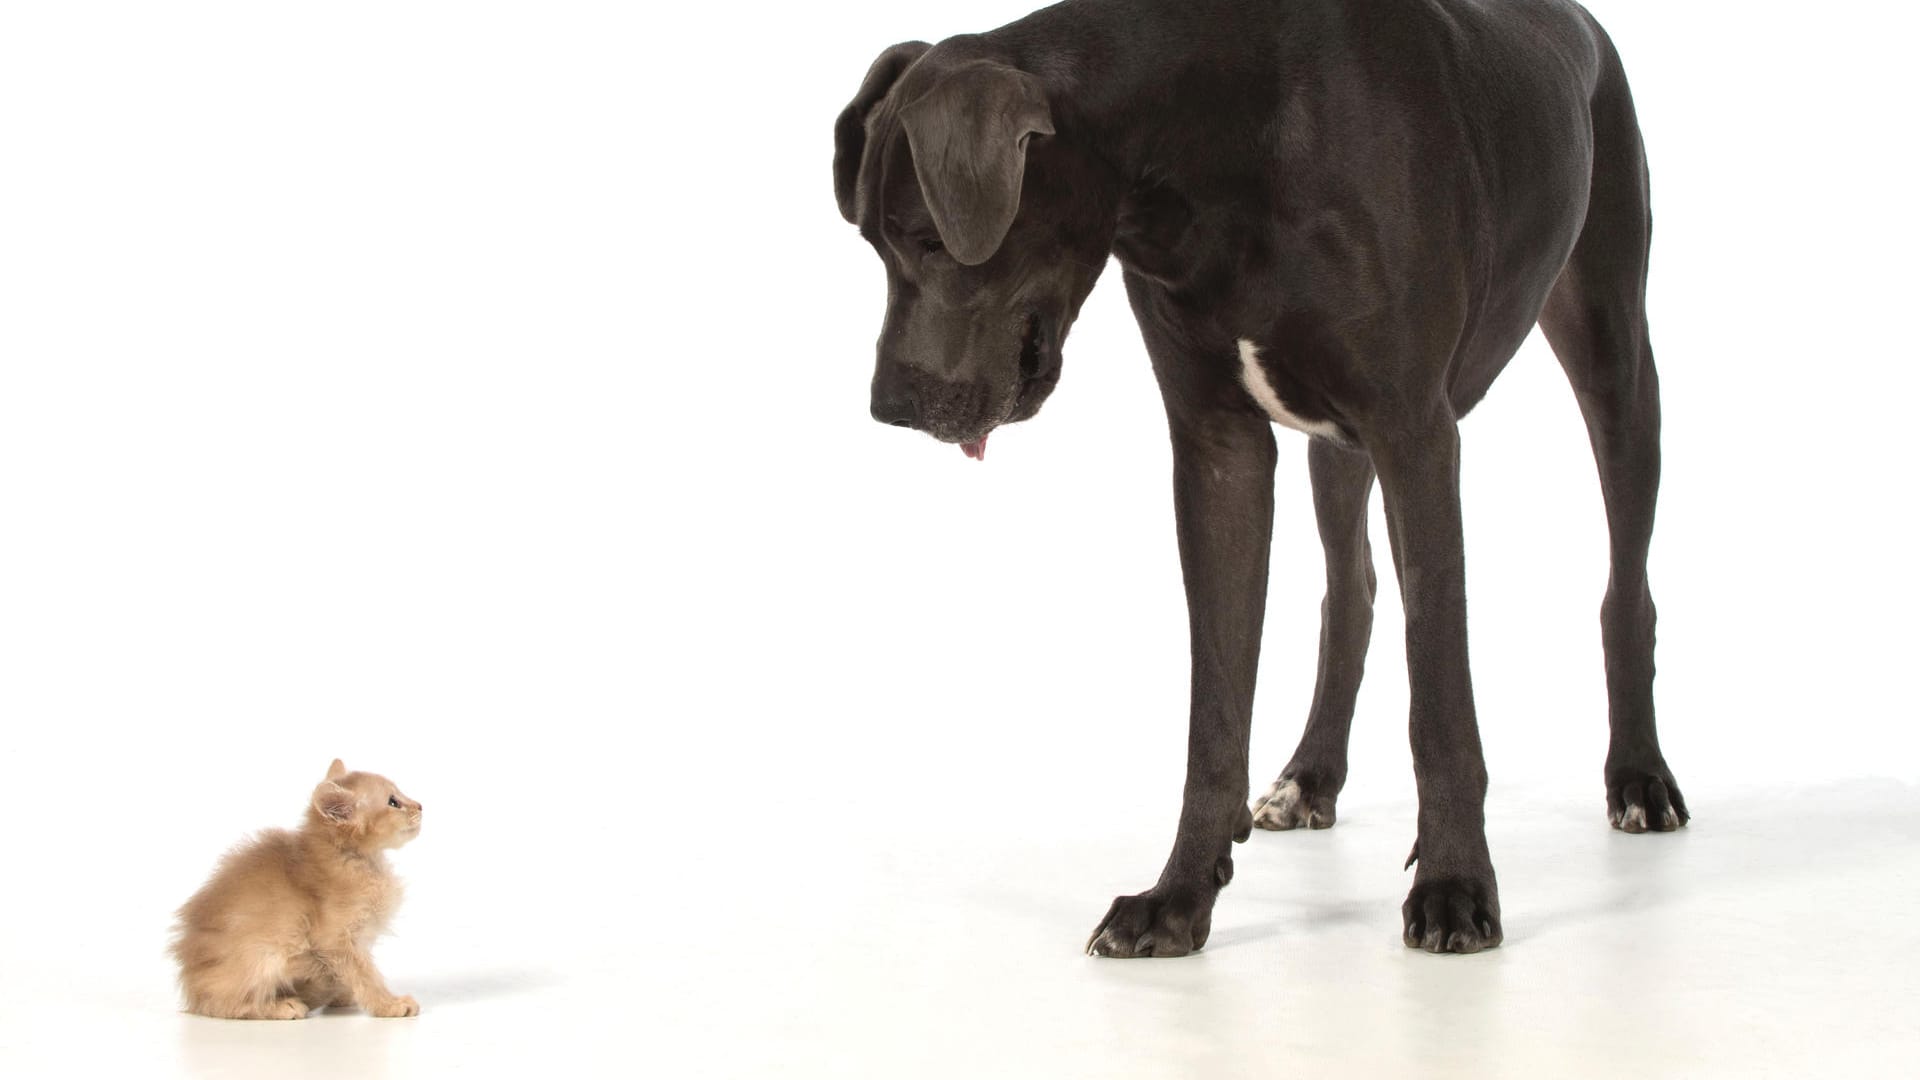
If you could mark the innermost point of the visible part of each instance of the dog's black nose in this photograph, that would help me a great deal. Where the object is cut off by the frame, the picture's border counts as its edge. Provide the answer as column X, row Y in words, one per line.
column 895, row 409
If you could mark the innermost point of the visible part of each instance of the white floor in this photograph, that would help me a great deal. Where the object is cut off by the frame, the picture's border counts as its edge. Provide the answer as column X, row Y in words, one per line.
column 1775, row 936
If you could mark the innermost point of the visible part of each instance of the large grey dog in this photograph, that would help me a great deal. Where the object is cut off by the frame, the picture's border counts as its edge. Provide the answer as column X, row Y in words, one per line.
column 1342, row 216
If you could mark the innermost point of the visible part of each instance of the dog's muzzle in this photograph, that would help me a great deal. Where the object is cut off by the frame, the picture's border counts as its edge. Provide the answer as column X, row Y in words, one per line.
column 966, row 413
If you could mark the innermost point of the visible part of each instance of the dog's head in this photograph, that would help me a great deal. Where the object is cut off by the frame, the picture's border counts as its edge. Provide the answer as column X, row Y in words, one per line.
column 991, row 234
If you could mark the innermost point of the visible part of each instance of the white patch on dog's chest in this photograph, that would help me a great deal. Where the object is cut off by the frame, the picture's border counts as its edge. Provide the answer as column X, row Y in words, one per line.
column 1254, row 378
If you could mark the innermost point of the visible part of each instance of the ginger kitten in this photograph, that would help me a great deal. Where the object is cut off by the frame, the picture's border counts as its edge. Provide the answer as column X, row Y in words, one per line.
column 285, row 924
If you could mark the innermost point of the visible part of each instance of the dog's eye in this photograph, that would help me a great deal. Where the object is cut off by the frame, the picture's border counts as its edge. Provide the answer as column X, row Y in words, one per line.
column 393, row 801
column 931, row 244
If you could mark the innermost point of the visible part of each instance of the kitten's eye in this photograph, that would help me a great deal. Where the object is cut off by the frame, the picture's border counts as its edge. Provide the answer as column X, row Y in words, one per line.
column 393, row 802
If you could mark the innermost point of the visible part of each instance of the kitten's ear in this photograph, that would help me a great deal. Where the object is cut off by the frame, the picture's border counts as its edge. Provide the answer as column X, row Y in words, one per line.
column 334, row 802
column 336, row 770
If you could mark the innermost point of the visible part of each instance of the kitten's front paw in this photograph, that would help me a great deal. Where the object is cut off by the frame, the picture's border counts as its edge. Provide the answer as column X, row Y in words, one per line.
column 403, row 1005
column 286, row 1009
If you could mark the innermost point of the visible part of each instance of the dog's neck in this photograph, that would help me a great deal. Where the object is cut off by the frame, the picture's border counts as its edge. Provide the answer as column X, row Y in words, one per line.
column 1107, row 85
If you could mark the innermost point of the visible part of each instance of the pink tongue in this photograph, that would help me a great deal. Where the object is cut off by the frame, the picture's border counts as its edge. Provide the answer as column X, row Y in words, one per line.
column 977, row 449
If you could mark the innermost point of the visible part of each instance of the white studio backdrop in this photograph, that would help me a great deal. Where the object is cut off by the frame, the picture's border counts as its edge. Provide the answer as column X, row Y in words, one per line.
column 478, row 392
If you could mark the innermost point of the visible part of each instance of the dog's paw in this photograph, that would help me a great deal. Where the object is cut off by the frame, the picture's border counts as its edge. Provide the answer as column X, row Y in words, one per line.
column 1293, row 803
column 1170, row 922
column 1452, row 915
column 286, row 1009
column 404, row 1005
column 1644, row 800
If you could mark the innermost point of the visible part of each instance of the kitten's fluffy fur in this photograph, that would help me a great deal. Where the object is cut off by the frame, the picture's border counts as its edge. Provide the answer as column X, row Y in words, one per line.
column 285, row 924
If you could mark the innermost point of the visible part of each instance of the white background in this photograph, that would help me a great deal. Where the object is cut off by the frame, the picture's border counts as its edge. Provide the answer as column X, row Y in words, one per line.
column 478, row 392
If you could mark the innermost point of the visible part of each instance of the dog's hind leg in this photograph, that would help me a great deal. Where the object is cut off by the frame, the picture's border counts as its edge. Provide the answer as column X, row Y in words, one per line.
column 1596, row 321
column 1305, row 792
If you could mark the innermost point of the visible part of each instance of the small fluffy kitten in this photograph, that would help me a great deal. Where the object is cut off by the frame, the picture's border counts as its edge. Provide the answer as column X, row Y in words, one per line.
column 285, row 924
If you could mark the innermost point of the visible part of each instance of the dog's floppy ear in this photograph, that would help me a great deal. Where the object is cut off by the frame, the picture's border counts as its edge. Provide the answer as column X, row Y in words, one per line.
column 850, row 131
column 969, row 137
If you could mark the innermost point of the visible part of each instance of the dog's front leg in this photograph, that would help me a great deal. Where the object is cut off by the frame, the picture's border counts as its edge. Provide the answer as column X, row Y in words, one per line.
column 1454, row 905
column 1223, row 507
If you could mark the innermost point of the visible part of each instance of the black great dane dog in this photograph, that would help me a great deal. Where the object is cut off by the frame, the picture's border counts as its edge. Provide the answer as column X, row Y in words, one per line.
column 1342, row 216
